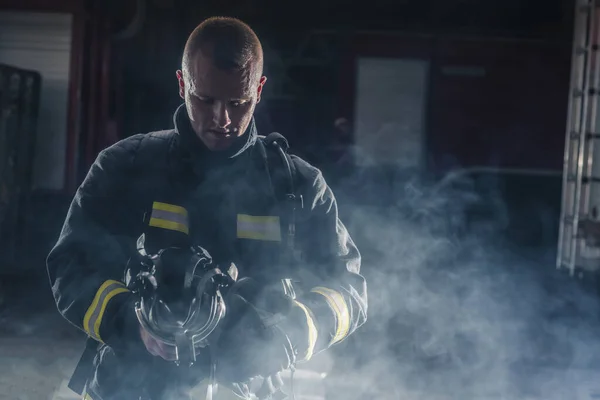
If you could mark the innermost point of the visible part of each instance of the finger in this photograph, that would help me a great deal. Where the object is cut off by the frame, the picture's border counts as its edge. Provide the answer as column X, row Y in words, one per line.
column 168, row 355
column 152, row 350
column 152, row 346
column 167, row 352
column 148, row 343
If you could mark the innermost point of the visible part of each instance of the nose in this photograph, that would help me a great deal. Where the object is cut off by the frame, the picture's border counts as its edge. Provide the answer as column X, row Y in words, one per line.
column 221, row 115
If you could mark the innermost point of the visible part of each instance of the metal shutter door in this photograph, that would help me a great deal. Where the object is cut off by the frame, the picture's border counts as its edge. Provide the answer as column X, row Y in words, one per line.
column 42, row 42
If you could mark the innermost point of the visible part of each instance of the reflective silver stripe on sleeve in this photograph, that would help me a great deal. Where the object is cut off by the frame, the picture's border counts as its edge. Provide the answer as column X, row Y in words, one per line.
column 95, row 313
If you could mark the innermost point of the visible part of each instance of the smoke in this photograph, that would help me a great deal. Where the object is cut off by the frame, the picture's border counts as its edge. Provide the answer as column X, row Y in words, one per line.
column 455, row 311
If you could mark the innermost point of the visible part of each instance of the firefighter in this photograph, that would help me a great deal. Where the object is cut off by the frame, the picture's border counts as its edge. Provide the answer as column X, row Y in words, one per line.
column 205, row 179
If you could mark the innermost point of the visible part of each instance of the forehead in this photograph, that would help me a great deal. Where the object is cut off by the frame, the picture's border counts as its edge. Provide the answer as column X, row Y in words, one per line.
column 208, row 80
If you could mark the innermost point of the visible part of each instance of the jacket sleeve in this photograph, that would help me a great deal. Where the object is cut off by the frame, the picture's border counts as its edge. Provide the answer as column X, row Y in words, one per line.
column 86, row 265
column 332, row 292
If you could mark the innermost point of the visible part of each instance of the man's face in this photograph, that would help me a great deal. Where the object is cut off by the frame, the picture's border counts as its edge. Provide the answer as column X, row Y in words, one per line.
column 220, row 103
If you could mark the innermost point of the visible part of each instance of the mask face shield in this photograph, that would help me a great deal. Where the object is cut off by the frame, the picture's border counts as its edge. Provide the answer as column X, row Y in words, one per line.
column 180, row 298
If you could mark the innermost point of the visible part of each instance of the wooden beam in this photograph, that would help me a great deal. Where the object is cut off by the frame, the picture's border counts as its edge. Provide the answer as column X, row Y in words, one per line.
column 62, row 6
column 74, row 101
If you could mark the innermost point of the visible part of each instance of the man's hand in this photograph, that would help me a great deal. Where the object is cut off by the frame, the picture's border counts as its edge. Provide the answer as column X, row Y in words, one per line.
column 250, row 348
column 256, row 339
column 158, row 348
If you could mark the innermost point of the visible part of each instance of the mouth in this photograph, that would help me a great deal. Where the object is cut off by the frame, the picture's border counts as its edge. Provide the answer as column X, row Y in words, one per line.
column 220, row 134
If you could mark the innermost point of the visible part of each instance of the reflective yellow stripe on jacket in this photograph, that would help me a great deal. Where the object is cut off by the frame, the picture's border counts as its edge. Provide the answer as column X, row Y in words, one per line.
column 169, row 216
column 312, row 333
column 267, row 228
column 95, row 313
column 340, row 308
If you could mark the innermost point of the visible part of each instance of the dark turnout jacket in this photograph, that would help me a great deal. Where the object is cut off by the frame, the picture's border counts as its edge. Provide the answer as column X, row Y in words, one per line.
column 224, row 202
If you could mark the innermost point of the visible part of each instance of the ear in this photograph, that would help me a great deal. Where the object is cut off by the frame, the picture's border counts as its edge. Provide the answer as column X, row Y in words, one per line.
column 181, row 82
column 261, row 83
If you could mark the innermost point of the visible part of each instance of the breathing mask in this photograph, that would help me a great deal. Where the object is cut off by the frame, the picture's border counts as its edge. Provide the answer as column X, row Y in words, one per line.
column 180, row 300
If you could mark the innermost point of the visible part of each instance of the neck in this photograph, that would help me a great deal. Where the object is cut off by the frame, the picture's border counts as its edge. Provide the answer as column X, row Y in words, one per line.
column 199, row 153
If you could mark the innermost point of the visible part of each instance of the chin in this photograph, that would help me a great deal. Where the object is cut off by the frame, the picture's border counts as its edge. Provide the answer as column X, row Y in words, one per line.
column 219, row 147
column 216, row 145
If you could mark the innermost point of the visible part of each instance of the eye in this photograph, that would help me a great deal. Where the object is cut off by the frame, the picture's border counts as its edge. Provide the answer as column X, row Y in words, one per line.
column 205, row 100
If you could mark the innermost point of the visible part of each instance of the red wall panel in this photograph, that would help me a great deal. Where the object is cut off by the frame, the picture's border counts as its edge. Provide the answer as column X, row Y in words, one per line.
column 508, row 110
column 512, row 116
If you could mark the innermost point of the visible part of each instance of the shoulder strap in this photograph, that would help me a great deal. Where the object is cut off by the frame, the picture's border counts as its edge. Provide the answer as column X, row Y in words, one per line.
column 281, row 166
column 284, row 179
column 159, row 161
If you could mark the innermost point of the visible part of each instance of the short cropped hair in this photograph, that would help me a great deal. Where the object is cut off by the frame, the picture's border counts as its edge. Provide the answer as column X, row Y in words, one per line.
column 229, row 42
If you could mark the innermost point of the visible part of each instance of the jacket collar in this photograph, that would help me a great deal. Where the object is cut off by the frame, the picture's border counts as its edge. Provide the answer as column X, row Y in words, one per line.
column 198, row 154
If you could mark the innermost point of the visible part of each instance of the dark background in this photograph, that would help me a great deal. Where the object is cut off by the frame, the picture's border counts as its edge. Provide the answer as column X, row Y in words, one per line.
column 513, row 117
column 501, row 129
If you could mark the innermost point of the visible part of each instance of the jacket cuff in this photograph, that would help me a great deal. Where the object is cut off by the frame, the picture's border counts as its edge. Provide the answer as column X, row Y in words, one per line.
column 111, row 319
column 333, row 303
column 331, row 316
column 304, row 334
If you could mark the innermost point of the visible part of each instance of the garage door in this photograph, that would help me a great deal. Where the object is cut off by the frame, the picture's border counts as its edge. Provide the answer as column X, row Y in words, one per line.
column 390, row 111
column 42, row 42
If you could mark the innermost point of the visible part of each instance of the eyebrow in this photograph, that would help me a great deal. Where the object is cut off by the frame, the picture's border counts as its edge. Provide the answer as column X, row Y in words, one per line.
column 202, row 95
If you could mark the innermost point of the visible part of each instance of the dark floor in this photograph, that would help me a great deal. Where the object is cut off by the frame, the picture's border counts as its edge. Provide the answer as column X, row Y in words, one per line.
column 39, row 349
column 457, row 352
column 28, row 310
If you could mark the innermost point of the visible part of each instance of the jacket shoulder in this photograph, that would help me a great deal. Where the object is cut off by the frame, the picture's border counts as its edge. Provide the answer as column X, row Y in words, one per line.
column 141, row 144
column 155, row 144
column 304, row 170
column 133, row 152
column 307, row 173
